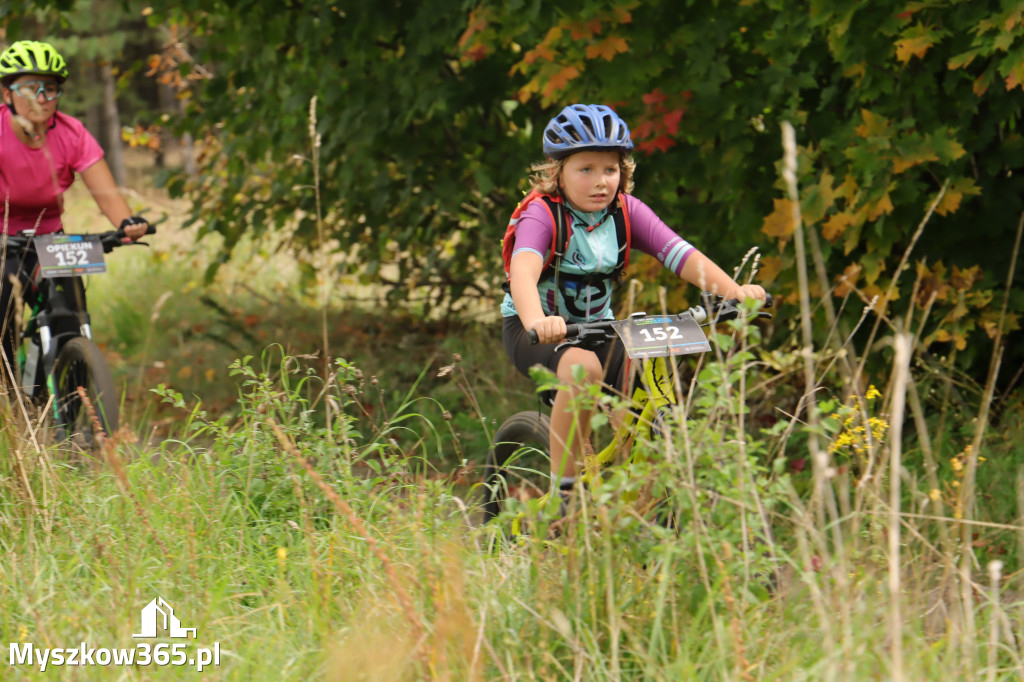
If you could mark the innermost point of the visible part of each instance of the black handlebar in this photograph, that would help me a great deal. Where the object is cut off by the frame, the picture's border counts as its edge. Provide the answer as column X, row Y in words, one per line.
column 110, row 240
column 718, row 308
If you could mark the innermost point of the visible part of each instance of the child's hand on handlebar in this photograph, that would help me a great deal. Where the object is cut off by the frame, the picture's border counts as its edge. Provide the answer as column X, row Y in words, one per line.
column 748, row 291
column 549, row 329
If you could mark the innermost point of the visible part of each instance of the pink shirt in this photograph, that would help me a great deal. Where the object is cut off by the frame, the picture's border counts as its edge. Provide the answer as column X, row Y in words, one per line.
column 33, row 181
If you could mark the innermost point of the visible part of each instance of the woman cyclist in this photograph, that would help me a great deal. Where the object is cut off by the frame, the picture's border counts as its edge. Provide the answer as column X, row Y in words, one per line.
column 588, row 172
column 41, row 149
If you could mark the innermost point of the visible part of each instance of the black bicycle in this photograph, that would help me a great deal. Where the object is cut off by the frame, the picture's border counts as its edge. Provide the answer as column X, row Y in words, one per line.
column 57, row 361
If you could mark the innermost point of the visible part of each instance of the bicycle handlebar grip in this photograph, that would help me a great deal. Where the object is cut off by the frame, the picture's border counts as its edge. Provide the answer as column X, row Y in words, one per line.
column 571, row 330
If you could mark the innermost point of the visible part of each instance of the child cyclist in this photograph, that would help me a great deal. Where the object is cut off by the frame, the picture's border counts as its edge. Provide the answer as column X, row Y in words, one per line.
column 41, row 149
column 587, row 176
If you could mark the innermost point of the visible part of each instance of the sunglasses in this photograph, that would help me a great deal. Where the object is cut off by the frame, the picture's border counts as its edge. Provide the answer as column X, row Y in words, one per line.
column 32, row 89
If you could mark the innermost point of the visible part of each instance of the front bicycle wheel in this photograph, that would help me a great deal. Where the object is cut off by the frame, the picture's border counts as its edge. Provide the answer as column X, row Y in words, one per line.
column 80, row 364
column 518, row 465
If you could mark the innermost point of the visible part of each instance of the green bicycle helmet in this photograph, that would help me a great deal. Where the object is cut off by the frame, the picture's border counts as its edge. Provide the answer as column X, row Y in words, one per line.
column 30, row 56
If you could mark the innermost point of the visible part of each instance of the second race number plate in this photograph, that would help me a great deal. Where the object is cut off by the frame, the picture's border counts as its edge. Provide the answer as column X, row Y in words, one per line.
column 69, row 255
column 660, row 336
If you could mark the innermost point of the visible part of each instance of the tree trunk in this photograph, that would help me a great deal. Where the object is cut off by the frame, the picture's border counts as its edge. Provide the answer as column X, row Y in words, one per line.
column 112, row 125
column 94, row 112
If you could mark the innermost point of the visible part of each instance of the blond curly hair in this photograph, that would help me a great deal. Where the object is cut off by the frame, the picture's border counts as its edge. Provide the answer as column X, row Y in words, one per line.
column 545, row 174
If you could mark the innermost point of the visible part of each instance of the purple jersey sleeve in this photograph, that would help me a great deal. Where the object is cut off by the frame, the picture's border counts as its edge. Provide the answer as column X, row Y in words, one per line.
column 655, row 238
column 534, row 230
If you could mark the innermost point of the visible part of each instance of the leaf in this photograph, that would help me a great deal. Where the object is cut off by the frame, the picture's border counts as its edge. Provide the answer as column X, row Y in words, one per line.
column 981, row 84
column 836, row 225
column 963, row 279
column 961, row 60
column 770, row 268
column 607, row 48
column 954, row 195
column 818, row 200
column 655, row 96
column 911, row 159
column 855, row 70
column 846, row 283
column 578, row 30
column 671, row 120
column 1015, row 77
column 661, row 142
column 916, row 41
column 946, row 146
column 875, row 210
column 873, row 126
column 779, row 223
column 558, row 82
column 848, row 190
column 874, row 265
column 540, row 52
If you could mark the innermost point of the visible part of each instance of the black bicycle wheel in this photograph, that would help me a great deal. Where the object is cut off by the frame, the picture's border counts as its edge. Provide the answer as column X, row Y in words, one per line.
column 518, row 464
column 80, row 363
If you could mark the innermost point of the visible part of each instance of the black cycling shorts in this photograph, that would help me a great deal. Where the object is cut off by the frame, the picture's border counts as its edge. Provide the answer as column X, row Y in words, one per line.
column 525, row 355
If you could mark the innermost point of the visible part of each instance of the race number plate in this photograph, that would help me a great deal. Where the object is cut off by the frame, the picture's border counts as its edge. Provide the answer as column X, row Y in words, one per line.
column 69, row 255
column 659, row 336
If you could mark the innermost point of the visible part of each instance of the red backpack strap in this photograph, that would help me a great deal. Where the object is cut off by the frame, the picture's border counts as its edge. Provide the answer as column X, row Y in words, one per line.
column 559, row 230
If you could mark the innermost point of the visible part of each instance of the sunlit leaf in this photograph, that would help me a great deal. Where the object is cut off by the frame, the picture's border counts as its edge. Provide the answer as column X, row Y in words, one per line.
column 873, row 125
column 607, row 48
column 779, row 223
column 836, row 225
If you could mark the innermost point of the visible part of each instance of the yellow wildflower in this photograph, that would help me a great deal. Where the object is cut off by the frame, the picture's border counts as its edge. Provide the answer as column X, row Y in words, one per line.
column 934, row 494
column 872, row 393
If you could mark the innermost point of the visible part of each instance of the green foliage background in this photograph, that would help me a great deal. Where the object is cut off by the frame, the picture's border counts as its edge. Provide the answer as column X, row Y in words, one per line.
column 428, row 115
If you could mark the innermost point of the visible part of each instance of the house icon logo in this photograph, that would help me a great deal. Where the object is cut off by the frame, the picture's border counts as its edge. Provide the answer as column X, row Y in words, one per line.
column 159, row 612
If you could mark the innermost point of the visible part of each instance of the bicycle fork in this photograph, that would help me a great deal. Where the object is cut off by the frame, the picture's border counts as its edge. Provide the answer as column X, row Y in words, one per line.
column 46, row 351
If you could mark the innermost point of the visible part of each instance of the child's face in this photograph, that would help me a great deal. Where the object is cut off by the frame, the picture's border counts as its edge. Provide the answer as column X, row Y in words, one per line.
column 590, row 180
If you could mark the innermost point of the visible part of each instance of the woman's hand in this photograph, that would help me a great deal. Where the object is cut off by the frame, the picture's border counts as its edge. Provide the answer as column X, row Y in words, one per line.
column 135, row 227
column 549, row 329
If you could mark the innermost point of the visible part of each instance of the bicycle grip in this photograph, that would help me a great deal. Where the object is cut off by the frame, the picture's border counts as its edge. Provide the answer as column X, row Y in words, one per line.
column 571, row 330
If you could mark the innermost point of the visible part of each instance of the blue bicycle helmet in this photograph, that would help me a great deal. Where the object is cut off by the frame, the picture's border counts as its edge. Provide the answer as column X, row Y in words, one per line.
column 586, row 127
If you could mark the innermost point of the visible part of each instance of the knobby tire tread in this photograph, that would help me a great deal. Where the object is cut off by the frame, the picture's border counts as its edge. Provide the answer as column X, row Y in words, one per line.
column 530, row 427
column 84, row 353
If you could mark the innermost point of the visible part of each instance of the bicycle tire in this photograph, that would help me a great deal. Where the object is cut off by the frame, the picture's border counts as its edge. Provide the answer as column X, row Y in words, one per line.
column 80, row 363
column 520, row 447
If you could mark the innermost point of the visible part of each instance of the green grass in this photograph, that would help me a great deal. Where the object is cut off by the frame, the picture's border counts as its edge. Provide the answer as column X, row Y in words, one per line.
column 382, row 573
column 330, row 532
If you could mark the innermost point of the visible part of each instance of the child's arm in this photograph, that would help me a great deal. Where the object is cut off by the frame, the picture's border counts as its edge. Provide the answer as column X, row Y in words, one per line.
column 701, row 271
column 524, row 273
column 654, row 237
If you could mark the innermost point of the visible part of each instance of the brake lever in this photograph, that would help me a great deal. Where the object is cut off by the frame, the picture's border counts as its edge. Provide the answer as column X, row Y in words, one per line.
column 588, row 339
